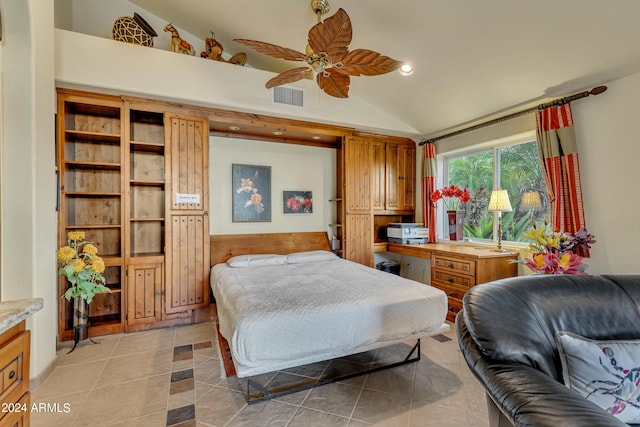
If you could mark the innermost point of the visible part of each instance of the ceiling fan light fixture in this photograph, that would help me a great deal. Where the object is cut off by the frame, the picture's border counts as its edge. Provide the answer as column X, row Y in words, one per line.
column 406, row 69
column 319, row 62
column 320, row 7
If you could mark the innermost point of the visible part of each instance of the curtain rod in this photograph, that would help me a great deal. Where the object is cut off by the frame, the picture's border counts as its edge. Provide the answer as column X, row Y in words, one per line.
column 560, row 101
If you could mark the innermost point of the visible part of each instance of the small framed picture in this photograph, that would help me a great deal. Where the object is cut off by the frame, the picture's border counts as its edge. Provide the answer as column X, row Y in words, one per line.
column 297, row 202
column 251, row 193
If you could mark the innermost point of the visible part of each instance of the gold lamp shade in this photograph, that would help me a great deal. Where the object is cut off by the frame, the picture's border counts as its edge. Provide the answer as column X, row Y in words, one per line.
column 499, row 201
column 531, row 200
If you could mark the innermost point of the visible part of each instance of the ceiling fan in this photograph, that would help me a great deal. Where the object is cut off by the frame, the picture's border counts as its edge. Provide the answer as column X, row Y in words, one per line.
column 327, row 55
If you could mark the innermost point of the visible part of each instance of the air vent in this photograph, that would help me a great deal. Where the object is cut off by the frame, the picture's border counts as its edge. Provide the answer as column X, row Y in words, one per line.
column 288, row 96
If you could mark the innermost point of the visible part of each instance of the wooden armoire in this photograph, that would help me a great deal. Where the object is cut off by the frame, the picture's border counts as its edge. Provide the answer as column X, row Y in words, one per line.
column 376, row 186
column 133, row 175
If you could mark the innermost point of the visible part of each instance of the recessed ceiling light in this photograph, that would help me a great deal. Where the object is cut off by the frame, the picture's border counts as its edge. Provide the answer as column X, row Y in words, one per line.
column 406, row 70
column 277, row 132
column 317, row 137
column 234, row 128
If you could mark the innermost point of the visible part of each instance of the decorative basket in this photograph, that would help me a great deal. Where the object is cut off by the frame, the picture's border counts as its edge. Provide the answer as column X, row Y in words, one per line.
column 133, row 30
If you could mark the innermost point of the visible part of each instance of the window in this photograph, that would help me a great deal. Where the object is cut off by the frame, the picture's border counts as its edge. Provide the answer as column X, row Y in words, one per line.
column 514, row 167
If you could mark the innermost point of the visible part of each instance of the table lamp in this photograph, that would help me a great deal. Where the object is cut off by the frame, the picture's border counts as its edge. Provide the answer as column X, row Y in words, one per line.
column 531, row 200
column 499, row 202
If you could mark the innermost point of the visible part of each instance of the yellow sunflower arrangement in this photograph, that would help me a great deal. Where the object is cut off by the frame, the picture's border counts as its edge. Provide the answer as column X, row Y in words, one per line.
column 83, row 268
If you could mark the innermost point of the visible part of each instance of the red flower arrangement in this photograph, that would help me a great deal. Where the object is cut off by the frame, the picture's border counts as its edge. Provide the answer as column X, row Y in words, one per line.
column 452, row 195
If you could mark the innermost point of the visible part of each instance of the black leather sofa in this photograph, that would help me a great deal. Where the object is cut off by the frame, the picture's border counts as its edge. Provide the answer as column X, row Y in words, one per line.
column 506, row 333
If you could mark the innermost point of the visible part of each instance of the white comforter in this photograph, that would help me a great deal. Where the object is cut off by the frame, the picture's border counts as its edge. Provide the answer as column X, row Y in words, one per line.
column 276, row 317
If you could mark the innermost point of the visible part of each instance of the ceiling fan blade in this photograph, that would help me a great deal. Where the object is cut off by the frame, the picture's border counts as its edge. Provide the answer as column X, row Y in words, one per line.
column 289, row 76
column 332, row 36
column 334, row 84
column 364, row 62
column 273, row 50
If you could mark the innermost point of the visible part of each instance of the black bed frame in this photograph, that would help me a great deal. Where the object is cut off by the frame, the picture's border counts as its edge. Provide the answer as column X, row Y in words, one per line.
column 262, row 393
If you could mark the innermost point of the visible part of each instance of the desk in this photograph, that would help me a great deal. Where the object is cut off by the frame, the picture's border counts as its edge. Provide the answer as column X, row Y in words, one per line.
column 456, row 268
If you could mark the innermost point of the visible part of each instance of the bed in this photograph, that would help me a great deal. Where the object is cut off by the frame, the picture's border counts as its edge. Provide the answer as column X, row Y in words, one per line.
column 285, row 300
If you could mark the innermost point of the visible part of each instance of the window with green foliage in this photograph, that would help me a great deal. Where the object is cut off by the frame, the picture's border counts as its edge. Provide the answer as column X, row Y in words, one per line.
column 515, row 168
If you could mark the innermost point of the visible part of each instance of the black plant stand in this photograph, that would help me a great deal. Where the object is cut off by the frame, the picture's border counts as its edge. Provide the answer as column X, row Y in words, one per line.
column 80, row 322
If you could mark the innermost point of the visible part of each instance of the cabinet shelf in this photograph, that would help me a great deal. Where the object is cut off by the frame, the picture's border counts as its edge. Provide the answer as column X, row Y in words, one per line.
column 91, row 194
column 146, row 254
column 154, row 147
column 150, row 183
column 146, row 219
column 101, row 321
column 86, row 136
column 92, row 226
column 74, row 164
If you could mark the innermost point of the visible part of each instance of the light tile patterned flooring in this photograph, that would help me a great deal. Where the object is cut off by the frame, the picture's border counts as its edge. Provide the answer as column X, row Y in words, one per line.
column 172, row 377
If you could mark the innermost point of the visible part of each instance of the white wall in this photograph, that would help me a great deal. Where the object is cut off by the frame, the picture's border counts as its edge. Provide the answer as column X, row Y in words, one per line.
column 607, row 130
column 293, row 167
column 28, row 169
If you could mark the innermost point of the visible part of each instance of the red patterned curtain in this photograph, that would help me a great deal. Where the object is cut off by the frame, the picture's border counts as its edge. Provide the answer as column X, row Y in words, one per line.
column 559, row 156
column 429, row 169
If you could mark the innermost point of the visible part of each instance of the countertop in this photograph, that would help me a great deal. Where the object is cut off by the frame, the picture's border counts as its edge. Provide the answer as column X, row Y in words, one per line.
column 15, row 311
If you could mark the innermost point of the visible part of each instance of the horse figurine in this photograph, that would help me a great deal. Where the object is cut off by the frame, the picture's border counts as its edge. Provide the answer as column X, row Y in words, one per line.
column 213, row 50
column 177, row 44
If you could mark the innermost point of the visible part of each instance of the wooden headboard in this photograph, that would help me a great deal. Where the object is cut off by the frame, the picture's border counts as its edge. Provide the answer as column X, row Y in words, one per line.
column 225, row 246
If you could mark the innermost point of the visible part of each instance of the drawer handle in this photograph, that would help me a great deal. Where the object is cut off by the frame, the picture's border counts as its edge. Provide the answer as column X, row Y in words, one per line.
column 450, row 279
column 450, row 265
column 12, row 374
column 451, row 293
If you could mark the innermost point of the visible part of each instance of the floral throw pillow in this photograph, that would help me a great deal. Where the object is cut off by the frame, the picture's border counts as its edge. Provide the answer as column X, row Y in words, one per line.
column 607, row 372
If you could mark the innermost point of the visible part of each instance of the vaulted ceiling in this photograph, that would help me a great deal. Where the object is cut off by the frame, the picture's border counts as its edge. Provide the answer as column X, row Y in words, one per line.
column 473, row 60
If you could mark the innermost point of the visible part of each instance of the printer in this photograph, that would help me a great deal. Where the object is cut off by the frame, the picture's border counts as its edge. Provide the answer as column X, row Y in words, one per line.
column 409, row 233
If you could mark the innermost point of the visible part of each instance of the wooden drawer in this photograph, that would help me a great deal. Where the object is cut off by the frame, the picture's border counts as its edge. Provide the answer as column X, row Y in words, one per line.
column 14, row 368
column 455, row 305
column 448, row 277
column 452, row 291
column 454, row 298
column 17, row 415
column 457, row 265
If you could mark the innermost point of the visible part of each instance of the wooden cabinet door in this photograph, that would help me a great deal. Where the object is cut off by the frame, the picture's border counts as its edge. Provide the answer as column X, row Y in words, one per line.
column 187, row 228
column 379, row 189
column 144, row 293
column 400, row 177
column 188, row 171
column 359, row 234
column 358, row 174
column 393, row 176
column 407, row 177
column 188, row 263
column 358, row 224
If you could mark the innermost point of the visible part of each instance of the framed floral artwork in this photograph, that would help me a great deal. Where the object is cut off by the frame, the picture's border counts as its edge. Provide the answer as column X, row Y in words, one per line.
column 251, row 193
column 297, row 202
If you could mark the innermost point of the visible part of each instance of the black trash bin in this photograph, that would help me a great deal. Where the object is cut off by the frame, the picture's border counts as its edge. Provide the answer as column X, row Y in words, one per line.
column 389, row 266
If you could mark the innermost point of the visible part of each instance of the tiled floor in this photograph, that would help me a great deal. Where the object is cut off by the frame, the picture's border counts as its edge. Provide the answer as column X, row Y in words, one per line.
column 172, row 377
